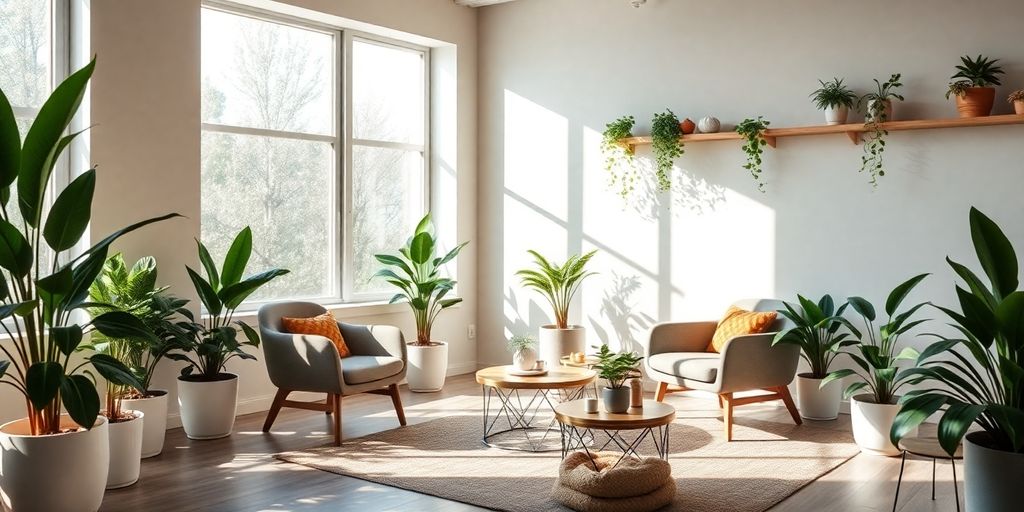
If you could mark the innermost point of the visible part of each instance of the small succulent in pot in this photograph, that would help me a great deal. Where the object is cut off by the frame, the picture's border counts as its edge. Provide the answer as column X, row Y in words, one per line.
column 1016, row 98
column 835, row 98
column 524, row 351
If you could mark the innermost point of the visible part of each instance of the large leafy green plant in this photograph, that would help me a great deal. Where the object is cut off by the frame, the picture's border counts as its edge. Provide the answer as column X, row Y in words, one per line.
column 420, row 279
column 979, row 377
column 212, row 342
column 557, row 283
column 616, row 367
column 816, row 331
column 134, row 291
column 41, row 287
column 876, row 357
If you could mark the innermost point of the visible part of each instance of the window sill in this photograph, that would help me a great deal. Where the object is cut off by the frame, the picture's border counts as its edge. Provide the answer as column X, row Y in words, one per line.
column 346, row 310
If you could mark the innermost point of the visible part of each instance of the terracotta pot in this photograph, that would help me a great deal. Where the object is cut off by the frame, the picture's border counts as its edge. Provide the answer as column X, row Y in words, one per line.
column 1018, row 107
column 687, row 126
column 976, row 101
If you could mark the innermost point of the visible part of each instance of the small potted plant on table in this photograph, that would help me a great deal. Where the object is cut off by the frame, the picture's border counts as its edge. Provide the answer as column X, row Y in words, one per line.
column 207, row 395
column 524, row 352
column 974, row 92
column 835, row 99
column 558, row 284
column 416, row 272
column 816, row 331
column 1016, row 98
column 615, row 368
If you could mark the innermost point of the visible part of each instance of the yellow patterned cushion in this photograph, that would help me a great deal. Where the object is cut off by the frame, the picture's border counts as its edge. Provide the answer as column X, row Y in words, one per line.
column 737, row 322
column 323, row 325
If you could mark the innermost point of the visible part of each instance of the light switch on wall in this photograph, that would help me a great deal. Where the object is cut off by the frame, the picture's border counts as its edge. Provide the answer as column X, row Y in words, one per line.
column 471, row 331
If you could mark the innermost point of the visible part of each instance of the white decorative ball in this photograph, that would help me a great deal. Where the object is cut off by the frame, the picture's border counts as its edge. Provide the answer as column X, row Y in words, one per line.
column 709, row 124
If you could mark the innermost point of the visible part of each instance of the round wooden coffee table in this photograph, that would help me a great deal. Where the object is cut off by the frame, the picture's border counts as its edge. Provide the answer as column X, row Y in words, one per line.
column 577, row 425
column 530, row 415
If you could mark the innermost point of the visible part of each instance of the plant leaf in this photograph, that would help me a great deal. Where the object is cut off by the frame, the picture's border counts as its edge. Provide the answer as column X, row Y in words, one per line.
column 115, row 371
column 900, row 292
column 996, row 254
column 70, row 213
column 67, row 338
column 79, row 396
column 42, row 381
column 10, row 144
column 205, row 292
column 236, row 259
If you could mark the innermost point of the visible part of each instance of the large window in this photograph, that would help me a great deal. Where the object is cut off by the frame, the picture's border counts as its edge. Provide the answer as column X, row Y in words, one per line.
column 316, row 139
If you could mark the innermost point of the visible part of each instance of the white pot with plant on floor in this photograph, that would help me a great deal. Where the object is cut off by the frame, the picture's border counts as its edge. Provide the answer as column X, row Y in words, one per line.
column 817, row 330
column 134, row 291
column 835, row 99
column 52, row 461
column 615, row 368
column 558, row 284
column 972, row 379
column 877, row 367
column 207, row 395
column 417, row 272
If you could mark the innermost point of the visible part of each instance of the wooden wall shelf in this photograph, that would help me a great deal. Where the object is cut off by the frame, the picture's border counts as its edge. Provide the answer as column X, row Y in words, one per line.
column 852, row 130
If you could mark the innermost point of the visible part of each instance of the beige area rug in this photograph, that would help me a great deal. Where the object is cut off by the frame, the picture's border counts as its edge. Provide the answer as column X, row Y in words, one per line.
column 444, row 457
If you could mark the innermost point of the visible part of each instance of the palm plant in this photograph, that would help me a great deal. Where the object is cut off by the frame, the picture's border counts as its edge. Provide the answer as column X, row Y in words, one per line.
column 616, row 367
column 833, row 94
column 41, row 287
column 208, row 345
column 420, row 281
column 981, row 378
column 557, row 283
column 876, row 357
column 134, row 291
column 816, row 331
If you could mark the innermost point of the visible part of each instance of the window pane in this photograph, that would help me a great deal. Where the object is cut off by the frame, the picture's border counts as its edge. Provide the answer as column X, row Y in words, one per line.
column 282, row 189
column 387, row 197
column 387, row 93
column 25, row 49
column 261, row 74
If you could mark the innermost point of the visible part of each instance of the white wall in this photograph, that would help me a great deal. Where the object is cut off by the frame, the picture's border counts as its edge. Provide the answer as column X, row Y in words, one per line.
column 145, row 105
column 552, row 73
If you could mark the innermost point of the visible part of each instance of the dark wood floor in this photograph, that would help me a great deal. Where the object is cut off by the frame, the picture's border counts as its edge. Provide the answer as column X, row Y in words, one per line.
column 239, row 473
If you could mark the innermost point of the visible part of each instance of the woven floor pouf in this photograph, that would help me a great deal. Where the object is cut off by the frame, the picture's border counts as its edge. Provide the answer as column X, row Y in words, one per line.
column 633, row 486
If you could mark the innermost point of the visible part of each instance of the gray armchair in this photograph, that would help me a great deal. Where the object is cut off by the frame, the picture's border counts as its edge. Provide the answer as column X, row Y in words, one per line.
column 675, row 357
column 310, row 363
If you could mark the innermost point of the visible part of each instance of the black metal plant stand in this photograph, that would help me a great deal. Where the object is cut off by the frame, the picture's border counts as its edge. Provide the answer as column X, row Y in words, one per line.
column 521, row 415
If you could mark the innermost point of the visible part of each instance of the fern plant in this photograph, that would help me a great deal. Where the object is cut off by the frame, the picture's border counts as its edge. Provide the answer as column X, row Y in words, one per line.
column 752, row 131
column 618, row 157
column 557, row 283
column 667, row 146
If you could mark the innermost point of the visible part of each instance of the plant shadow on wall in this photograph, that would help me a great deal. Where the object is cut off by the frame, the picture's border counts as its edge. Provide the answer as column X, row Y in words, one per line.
column 619, row 311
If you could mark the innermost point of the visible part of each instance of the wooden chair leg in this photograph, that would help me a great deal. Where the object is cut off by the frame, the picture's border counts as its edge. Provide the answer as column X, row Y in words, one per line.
column 720, row 404
column 659, row 394
column 275, row 408
column 787, row 399
column 330, row 404
column 727, row 406
column 336, row 399
column 396, row 400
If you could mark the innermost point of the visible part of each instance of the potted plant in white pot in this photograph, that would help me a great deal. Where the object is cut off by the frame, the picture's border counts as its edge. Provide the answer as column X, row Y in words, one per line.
column 416, row 272
column 973, row 91
column 879, row 110
column 52, row 460
column 975, row 377
column 878, row 369
column 524, row 352
column 207, row 395
column 615, row 368
column 558, row 284
column 816, row 331
column 134, row 291
column 835, row 99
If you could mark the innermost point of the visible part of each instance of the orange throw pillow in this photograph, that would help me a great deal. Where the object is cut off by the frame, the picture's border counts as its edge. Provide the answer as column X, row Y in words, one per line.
column 322, row 325
column 737, row 322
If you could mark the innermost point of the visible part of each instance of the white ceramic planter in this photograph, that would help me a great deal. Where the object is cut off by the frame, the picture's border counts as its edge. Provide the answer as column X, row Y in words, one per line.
column 524, row 359
column 872, row 423
column 887, row 110
column 208, row 408
column 155, row 427
column 836, row 115
column 428, row 366
column 992, row 478
column 818, row 403
column 554, row 343
column 65, row 472
column 125, row 451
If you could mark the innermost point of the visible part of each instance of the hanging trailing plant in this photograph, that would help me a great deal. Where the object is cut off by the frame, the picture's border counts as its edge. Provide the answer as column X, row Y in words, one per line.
column 752, row 131
column 618, row 157
column 667, row 145
column 879, row 108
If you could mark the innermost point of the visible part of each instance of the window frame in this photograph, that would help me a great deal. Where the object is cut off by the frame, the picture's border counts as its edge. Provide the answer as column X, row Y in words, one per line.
column 342, row 265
